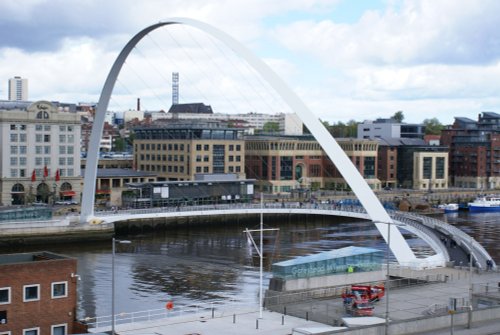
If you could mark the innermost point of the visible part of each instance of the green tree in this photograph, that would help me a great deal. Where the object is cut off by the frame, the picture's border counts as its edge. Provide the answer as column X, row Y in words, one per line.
column 271, row 127
column 432, row 126
column 398, row 116
column 118, row 144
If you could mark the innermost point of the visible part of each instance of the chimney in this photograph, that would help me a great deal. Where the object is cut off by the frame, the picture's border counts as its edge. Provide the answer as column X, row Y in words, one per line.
column 138, row 104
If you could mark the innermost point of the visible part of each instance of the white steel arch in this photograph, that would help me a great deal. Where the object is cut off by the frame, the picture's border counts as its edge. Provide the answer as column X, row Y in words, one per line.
column 368, row 199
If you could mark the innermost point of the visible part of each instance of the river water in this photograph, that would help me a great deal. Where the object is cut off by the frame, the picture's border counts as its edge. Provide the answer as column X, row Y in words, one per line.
column 213, row 262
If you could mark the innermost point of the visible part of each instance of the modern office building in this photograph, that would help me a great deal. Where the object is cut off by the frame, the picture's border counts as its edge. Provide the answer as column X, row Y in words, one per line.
column 180, row 150
column 474, row 148
column 388, row 128
column 40, row 155
column 287, row 163
column 411, row 163
column 18, row 89
column 38, row 294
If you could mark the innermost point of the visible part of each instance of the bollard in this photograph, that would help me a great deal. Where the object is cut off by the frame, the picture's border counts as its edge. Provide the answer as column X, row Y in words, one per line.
column 213, row 310
column 284, row 307
column 257, row 324
column 282, row 320
column 307, row 316
column 234, row 318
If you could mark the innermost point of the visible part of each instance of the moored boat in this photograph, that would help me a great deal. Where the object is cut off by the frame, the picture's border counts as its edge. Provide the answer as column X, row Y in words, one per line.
column 485, row 204
column 449, row 208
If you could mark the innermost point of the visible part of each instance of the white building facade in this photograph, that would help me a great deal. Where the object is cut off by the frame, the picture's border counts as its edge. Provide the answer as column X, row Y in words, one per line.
column 18, row 89
column 40, row 155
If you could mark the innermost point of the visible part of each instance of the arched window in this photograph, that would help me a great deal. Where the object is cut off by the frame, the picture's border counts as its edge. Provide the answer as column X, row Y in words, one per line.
column 42, row 115
column 18, row 188
column 66, row 187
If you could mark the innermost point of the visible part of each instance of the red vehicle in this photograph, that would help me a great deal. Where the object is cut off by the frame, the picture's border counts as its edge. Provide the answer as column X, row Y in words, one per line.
column 357, row 306
column 371, row 293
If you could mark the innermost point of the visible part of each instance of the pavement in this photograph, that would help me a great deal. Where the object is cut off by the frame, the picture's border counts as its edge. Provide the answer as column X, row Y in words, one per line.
column 324, row 315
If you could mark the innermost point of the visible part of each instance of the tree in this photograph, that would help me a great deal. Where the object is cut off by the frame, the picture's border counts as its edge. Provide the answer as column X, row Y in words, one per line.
column 432, row 126
column 398, row 116
column 271, row 127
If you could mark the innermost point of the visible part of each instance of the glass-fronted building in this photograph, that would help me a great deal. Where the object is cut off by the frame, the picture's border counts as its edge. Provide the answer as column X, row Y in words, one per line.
column 339, row 261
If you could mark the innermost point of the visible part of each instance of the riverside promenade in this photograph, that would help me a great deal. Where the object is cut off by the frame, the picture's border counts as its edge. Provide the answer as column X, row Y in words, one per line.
column 414, row 309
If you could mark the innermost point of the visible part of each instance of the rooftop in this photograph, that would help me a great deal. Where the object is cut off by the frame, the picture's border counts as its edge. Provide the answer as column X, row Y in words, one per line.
column 30, row 257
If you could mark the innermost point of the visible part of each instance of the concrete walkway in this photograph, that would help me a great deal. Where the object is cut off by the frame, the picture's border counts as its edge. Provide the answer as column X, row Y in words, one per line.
column 243, row 323
column 404, row 304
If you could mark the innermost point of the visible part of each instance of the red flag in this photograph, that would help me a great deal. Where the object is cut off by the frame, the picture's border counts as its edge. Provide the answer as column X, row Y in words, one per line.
column 45, row 171
column 33, row 176
column 58, row 177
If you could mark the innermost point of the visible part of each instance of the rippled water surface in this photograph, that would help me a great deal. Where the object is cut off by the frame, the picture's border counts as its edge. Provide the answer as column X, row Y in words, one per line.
column 208, row 263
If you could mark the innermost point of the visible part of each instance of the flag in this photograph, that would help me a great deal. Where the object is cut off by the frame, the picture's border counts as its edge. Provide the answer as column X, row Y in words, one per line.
column 58, row 177
column 33, row 176
column 45, row 172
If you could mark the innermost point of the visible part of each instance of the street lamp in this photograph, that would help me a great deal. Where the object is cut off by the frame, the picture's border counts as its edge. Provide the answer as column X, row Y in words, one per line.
column 113, row 282
column 387, row 277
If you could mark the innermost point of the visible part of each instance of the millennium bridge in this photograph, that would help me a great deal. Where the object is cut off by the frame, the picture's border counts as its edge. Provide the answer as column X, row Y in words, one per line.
column 451, row 245
column 436, row 234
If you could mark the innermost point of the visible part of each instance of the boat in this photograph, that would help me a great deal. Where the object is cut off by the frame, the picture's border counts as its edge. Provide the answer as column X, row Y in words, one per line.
column 485, row 204
column 449, row 208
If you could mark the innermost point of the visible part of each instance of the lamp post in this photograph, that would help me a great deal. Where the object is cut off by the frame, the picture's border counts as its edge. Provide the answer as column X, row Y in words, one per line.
column 113, row 282
column 387, row 277
column 469, row 312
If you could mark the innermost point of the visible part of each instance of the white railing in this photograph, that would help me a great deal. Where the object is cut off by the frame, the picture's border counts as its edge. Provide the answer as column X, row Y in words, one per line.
column 214, row 309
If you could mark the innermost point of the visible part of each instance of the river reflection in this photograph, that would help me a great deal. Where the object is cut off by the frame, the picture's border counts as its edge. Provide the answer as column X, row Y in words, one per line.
column 213, row 262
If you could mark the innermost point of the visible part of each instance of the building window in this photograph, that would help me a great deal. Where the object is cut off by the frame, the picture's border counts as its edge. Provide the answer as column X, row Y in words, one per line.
column 13, row 137
column 198, row 147
column 23, row 149
column 4, row 295
column 31, row 331
column 31, row 292
column 206, row 147
column 46, row 138
column 13, row 150
column 62, row 138
column 38, row 149
column 62, row 150
column 71, row 138
column 205, row 169
column 198, row 169
column 59, row 290
column 22, row 161
column 59, row 329
column 71, row 172
column 427, row 168
column 38, row 127
column 13, row 161
column 70, row 150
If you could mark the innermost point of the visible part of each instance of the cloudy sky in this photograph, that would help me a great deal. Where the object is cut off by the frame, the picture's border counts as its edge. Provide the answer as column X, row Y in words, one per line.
column 346, row 59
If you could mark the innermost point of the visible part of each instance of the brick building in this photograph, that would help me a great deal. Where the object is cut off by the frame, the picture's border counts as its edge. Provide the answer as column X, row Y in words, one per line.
column 284, row 163
column 474, row 151
column 37, row 294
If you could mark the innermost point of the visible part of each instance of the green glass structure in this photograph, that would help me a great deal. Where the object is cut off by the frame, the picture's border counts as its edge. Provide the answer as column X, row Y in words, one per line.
column 339, row 261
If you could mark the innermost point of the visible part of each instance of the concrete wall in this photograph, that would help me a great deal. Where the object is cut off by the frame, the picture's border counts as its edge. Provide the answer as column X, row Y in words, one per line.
column 426, row 324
